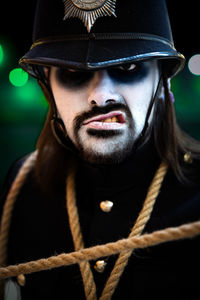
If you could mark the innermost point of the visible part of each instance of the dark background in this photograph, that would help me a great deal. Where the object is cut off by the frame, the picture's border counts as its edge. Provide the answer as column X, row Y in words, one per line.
column 17, row 22
column 23, row 110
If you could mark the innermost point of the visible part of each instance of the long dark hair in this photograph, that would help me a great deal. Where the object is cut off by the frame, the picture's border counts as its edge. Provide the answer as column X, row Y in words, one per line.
column 170, row 141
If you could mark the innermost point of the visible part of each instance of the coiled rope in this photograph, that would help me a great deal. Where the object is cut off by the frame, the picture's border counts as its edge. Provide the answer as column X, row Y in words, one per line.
column 146, row 240
column 137, row 229
column 82, row 256
column 8, row 209
column 87, row 276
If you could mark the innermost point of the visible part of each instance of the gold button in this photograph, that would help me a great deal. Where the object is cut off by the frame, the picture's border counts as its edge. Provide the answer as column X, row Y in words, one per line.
column 106, row 206
column 100, row 266
column 188, row 158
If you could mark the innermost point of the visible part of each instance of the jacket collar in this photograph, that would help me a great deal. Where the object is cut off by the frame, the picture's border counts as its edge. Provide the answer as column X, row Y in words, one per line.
column 137, row 169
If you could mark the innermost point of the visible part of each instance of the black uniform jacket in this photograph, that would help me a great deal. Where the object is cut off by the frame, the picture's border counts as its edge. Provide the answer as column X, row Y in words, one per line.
column 40, row 229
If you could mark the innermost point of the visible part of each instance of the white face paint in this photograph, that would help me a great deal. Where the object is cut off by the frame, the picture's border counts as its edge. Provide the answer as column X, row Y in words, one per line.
column 104, row 111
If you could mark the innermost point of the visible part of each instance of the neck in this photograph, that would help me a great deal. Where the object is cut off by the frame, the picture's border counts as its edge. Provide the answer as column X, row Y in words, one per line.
column 138, row 167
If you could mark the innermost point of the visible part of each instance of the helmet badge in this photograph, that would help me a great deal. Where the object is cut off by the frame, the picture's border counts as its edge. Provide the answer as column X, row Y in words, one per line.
column 88, row 11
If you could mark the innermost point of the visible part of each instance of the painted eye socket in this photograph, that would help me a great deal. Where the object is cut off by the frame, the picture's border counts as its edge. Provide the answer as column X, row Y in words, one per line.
column 72, row 78
column 127, row 67
column 129, row 73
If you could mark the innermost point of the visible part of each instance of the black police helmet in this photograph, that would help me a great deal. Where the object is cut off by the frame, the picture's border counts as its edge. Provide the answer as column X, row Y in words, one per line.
column 91, row 35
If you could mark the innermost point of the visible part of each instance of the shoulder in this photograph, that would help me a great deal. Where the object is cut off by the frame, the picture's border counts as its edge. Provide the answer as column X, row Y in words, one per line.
column 178, row 202
column 15, row 167
column 10, row 177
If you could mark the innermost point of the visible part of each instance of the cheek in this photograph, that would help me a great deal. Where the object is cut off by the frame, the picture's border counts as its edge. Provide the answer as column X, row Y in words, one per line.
column 138, row 99
column 69, row 105
column 63, row 105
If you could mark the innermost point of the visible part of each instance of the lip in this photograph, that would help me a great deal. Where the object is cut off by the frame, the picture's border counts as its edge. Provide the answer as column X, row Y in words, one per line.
column 119, row 114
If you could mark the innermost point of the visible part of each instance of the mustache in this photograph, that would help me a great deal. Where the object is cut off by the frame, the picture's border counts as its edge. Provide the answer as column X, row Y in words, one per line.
column 99, row 110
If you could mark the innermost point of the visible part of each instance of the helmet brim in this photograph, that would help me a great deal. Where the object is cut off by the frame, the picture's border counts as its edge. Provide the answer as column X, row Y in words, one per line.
column 94, row 53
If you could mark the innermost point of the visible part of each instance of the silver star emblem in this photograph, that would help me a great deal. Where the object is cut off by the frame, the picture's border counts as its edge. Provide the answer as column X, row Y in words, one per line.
column 88, row 11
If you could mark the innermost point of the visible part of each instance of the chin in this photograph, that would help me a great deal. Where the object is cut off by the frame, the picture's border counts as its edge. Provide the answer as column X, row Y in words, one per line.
column 104, row 147
column 102, row 158
column 106, row 152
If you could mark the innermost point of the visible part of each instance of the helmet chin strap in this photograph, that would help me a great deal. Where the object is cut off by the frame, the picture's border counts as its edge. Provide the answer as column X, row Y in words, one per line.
column 57, row 124
column 142, row 135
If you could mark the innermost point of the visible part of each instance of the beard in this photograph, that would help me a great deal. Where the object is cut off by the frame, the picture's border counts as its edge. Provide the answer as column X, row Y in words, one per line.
column 104, row 146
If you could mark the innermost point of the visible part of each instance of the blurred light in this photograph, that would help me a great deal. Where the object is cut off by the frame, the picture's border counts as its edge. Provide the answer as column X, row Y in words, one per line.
column 18, row 77
column 1, row 54
column 194, row 64
column 29, row 96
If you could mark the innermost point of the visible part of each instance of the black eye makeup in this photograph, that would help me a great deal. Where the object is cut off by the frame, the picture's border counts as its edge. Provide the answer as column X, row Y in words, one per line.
column 73, row 78
column 125, row 74
column 129, row 73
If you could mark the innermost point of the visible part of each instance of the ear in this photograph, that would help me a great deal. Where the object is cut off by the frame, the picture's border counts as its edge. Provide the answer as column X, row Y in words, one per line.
column 46, row 71
column 169, row 84
column 162, row 93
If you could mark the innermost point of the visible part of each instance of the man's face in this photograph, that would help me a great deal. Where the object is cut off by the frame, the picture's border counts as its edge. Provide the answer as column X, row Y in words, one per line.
column 104, row 111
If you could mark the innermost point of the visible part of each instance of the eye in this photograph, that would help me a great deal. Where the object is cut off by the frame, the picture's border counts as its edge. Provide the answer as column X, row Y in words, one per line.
column 127, row 67
column 72, row 78
column 129, row 73
column 71, row 70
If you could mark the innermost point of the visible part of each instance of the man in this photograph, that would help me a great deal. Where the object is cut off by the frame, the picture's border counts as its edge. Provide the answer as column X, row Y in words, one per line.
column 105, row 68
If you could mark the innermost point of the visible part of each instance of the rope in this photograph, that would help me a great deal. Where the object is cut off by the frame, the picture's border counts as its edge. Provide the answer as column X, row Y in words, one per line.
column 8, row 209
column 9, row 205
column 87, row 276
column 137, row 229
column 170, row 234
column 81, row 255
column 89, row 284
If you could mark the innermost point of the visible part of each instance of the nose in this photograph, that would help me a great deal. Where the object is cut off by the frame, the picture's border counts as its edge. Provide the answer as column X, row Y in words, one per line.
column 102, row 90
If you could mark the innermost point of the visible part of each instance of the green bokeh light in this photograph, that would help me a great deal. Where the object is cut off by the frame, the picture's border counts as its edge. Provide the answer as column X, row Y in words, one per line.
column 1, row 54
column 29, row 96
column 18, row 77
